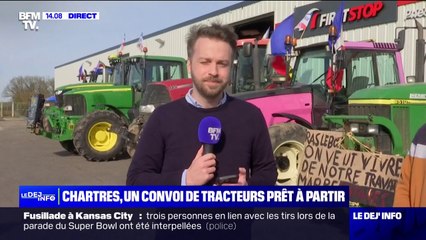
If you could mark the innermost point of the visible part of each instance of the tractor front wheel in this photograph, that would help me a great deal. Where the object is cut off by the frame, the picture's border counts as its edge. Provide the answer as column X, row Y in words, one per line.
column 287, row 143
column 69, row 146
column 93, row 138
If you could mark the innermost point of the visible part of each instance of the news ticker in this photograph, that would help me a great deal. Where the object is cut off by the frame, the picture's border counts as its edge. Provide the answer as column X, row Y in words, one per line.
column 207, row 212
column 30, row 19
column 188, row 196
column 174, row 223
column 204, row 223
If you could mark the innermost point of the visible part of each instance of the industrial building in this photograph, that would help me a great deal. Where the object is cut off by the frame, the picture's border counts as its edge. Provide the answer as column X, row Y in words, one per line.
column 363, row 21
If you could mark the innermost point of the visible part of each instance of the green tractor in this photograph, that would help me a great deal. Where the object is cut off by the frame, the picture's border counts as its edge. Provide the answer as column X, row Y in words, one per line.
column 385, row 119
column 84, row 114
column 99, row 76
column 382, row 121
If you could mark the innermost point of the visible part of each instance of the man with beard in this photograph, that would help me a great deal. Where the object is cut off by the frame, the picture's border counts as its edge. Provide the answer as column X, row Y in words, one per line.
column 169, row 152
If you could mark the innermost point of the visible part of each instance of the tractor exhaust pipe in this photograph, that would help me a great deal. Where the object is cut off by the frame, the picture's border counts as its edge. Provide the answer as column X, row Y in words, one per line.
column 420, row 56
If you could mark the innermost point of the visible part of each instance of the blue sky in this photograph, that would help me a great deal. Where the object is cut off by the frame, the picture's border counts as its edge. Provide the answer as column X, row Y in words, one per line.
column 36, row 53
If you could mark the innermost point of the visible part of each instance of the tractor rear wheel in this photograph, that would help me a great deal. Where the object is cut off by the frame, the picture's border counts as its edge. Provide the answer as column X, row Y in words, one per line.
column 69, row 146
column 287, row 143
column 93, row 138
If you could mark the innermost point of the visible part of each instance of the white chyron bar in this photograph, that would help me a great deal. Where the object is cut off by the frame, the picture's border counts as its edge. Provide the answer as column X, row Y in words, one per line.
column 30, row 19
column 71, row 16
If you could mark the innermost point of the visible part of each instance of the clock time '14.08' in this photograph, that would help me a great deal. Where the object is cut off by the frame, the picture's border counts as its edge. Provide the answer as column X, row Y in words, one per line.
column 51, row 15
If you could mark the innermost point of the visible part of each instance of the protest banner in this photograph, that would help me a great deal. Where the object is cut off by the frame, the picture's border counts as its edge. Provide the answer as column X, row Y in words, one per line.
column 372, row 177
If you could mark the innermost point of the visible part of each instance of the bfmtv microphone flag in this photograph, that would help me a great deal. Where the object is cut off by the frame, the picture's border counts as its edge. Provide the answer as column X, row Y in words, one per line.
column 209, row 131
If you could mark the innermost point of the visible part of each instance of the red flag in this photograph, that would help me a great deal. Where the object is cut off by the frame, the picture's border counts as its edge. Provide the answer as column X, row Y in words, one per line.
column 279, row 65
column 140, row 42
column 334, row 79
column 301, row 26
column 122, row 45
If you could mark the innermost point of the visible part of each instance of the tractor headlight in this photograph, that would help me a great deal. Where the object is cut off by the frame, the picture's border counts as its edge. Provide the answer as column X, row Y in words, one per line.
column 364, row 129
column 411, row 79
column 354, row 127
column 67, row 108
column 373, row 129
column 146, row 108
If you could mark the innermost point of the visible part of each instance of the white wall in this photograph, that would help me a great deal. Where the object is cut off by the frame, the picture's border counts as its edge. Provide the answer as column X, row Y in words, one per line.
column 174, row 41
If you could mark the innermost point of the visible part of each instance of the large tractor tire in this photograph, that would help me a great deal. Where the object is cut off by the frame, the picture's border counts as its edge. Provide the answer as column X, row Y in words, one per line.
column 135, row 130
column 46, row 125
column 69, row 146
column 287, row 143
column 93, row 138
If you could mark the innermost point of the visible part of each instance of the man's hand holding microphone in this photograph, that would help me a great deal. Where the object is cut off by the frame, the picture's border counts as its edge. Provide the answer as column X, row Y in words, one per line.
column 203, row 166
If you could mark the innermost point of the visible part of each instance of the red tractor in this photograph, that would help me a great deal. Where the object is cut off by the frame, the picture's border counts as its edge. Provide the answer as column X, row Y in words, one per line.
column 247, row 76
column 156, row 94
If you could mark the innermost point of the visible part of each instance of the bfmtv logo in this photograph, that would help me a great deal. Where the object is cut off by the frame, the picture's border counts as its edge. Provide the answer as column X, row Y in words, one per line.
column 29, row 19
column 214, row 133
column 39, row 196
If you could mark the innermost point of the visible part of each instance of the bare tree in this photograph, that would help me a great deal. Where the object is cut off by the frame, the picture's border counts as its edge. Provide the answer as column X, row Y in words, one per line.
column 21, row 89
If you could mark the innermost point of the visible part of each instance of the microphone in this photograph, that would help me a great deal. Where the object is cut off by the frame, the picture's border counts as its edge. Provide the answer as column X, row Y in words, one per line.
column 209, row 133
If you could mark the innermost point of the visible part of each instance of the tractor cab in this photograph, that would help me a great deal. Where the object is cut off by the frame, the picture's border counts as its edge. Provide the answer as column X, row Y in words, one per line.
column 248, row 74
